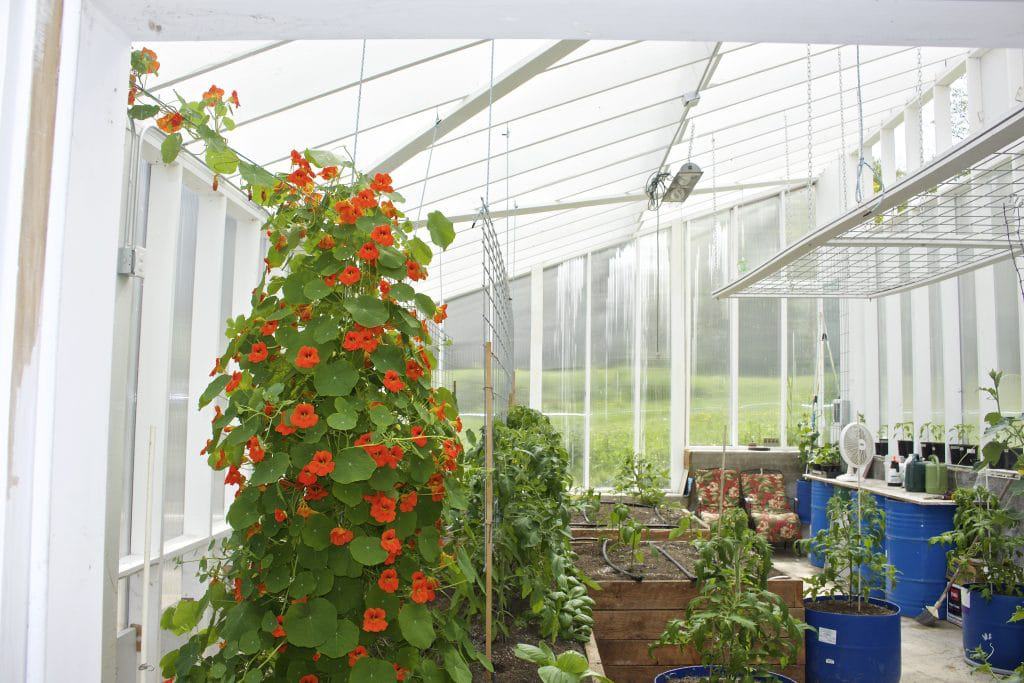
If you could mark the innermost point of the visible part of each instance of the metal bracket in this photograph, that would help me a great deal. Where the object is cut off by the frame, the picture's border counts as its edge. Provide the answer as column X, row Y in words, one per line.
column 131, row 261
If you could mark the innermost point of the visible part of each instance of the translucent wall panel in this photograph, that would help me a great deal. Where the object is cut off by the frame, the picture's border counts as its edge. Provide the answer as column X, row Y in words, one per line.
column 969, row 376
column 227, row 285
column 937, row 368
column 1008, row 292
column 831, row 312
column 796, row 219
column 613, row 336
column 907, row 355
column 464, row 357
column 708, row 330
column 178, row 406
column 520, row 292
column 653, row 354
column 801, row 350
column 757, row 240
column 564, row 354
column 884, row 422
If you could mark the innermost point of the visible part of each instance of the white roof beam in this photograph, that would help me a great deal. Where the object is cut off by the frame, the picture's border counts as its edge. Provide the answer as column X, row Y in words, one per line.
column 218, row 65
column 476, row 102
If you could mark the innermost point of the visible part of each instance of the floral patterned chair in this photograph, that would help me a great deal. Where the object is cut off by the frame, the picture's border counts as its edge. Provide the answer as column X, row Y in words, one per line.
column 707, row 486
column 770, row 511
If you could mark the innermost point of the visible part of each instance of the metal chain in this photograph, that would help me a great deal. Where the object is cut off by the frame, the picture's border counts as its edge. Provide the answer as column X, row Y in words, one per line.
column 689, row 150
column 359, row 106
column 810, row 146
column 842, row 133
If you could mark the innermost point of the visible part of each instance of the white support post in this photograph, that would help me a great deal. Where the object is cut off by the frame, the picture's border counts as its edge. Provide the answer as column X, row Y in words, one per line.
column 587, row 360
column 943, row 119
column 887, row 143
column 638, row 340
column 952, row 378
column 783, row 334
column 985, row 310
column 869, row 357
column 912, row 136
column 734, row 331
column 205, row 347
column 975, row 101
column 894, row 358
column 536, row 336
column 151, row 412
column 920, row 315
column 678, row 353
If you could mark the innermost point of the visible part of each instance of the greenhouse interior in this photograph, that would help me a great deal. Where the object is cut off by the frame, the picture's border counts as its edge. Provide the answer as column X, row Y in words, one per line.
column 506, row 341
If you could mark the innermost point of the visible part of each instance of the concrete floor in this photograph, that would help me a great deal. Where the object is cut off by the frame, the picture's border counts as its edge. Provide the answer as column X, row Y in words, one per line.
column 930, row 654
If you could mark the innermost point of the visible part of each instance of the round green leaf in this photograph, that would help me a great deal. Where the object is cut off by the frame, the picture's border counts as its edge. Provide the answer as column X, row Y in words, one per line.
column 417, row 625
column 344, row 639
column 419, row 251
column 368, row 311
column 316, row 532
column 370, row 670
column 442, row 232
column 335, row 379
column 309, row 624
column 271, row 469
column 425, row 304
column 381, row 415
column 243, row 513
column 316, row 289
column 342, row 420
column 366, row 551
column 402, row 292
column 351, row 465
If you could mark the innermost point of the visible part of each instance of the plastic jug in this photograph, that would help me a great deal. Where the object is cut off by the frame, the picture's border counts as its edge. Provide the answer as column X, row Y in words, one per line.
column 914, row 481
column 936, row 479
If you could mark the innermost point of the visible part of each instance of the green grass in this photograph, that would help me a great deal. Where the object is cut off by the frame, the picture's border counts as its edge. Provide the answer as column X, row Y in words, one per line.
column 611, row 423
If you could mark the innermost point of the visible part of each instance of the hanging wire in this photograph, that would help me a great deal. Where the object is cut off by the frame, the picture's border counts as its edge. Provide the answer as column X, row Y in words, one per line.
column 359, row 106
column 861, row 161
column 490, row 113
column 430, row 157
column 508, row 194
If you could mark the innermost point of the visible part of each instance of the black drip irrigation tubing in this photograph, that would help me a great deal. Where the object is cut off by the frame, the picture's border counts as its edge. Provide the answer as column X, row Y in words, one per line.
column 604, row 554
column 684, row 570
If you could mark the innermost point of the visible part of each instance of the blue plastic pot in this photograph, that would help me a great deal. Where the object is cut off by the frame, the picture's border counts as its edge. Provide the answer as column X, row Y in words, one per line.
column 803, row 500
column 986, row 625
column 847, row 648
column 820, row 495
column 868, row 575
column 703, row 672
column 921, row 565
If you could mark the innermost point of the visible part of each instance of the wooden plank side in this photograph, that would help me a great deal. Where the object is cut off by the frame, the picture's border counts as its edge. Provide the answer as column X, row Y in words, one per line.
column 642, row 624
column 631, row 595
column 635, row 652
column 593, row 653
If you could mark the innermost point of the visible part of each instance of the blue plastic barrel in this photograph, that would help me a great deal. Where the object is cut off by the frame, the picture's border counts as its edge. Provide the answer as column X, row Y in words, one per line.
column 986, row 625
column 847, row 648
column 820, row 494
column 803, row 500
column 920, row 567
column 700, row 672
column 865, row 572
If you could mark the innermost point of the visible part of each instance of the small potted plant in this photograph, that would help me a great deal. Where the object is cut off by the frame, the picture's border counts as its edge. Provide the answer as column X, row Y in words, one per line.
column 806, row 440
column 631, row 534
column 1004, row 432
column 932, row 444
column 826, row 460
column 839, row 599
column 963, row 449
column 736, row 624
column 882, row 444
column 904, row 433
column 983, row 540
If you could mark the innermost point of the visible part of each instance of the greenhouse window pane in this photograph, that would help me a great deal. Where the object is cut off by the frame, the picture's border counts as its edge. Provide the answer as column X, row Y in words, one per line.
column 1008, row 335
column 654, row 351
column 937, row 368
column 564, row 354
column 907, row 356
column 613, row 334
column 969, row 380
column 464, row 358
column 759, row 357
column 709, row 331
column 519, row 289
column 801, row 350
column 884, row 423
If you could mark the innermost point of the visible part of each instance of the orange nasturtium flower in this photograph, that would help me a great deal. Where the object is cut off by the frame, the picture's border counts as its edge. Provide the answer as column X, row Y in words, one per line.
column 170, row 123
column 388, row 581
column 374, row 620
column 341, row 536
column 307, row 357
column 212, row 97
column 304, row 416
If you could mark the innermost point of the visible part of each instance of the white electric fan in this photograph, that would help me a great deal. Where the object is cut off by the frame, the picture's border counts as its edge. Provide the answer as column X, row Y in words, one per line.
column 856, row 444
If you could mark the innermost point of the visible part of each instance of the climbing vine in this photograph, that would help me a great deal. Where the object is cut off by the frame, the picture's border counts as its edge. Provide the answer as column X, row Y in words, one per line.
column 326, row 421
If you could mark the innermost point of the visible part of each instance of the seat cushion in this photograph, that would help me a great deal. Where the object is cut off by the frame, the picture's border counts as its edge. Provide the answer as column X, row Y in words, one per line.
column 765, row 491
column 707, row 484
column 776, row 527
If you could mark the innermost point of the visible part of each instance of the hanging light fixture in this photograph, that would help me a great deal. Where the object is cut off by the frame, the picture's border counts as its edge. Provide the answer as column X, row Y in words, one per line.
column 682, row 185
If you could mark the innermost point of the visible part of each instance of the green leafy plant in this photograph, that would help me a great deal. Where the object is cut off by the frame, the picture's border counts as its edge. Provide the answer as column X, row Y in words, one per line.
column 641, row 478
column 806, row 440
column 735, row 623
column 1004, row 432
column 932, row 431
column 984, row 535
column 327, row 423
column 903, row 431
column 852, row 546
column 588, row 503
column 630, row 533
column 533, row 572
column 883, row 432
column 568, row 667
column 827, row 455
column 964, row 432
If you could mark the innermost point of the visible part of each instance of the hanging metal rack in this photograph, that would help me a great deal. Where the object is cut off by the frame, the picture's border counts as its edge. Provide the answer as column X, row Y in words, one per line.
column 945, row 219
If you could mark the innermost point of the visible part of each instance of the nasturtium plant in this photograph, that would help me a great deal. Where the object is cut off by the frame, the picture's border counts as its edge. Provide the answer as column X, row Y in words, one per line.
column 327, row 423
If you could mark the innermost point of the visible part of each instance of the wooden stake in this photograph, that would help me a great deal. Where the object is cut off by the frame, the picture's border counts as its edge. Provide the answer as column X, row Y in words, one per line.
column 488, row 499
column 721, row 477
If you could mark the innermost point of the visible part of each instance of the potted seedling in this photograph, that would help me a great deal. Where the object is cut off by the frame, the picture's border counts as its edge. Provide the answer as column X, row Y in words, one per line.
column 735, row 623
column 984, row 545
column 856, row 637
column 882, row 444
column 931, row 435
column 826, row 460
column 904, row 433
column 963, row 449
column 806, row 440
column 1004, row 432
column 630, row 535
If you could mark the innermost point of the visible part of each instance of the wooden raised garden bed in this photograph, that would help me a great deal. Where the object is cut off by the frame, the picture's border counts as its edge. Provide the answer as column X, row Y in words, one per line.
column 659, row 525
column 629, row 615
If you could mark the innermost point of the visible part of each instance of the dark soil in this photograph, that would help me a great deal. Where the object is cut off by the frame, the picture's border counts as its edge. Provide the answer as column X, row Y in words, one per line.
column 507, row 667
column 841, row 606
column 669, row 515
column 654, row 566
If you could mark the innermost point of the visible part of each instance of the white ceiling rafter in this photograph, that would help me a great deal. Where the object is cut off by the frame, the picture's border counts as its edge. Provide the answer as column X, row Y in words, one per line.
column 478, row 101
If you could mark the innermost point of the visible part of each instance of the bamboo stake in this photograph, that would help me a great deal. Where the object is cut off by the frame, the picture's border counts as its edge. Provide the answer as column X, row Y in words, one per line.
column 721, row 477
column 488, row 499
